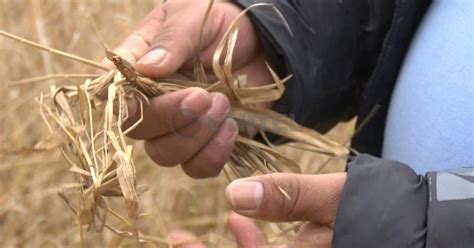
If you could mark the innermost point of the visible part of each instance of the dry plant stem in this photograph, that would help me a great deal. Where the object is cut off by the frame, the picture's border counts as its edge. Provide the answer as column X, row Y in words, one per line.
column 64, row 76
column 54, row 51
column 42, row 37
column 199, row 72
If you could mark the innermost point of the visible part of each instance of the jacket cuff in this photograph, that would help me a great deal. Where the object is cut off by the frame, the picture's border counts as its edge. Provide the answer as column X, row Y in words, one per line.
column 451, row 208
column 384, row 204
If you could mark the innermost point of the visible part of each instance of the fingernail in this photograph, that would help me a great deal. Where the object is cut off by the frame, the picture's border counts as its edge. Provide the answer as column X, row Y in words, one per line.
column 196, row 103
column 154, row 56
column 230, row 130
column 220, row 106
column 245, row 195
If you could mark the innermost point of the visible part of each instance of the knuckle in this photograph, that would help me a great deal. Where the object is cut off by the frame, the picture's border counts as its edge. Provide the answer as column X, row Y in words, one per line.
column 174, row 35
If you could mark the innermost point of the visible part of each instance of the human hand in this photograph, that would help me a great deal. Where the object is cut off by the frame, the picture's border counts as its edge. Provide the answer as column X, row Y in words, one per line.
column 189, row 127
column 312, row 198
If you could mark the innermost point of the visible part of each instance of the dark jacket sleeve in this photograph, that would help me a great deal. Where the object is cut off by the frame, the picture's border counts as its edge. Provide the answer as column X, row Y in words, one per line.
column 332, row 52
column 386, row 204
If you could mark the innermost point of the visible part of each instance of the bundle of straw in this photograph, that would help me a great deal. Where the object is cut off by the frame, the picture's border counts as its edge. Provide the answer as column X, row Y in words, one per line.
column 88, row 130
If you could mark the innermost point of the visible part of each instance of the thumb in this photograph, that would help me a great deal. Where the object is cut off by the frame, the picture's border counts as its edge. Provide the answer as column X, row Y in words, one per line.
column 287, row 197
column 177, row 40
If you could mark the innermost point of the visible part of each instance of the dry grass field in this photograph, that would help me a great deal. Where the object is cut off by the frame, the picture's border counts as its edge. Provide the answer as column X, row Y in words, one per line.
column 31, row 213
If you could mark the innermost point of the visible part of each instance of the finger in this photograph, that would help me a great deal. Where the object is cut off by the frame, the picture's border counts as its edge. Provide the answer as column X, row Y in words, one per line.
column 138, row 43
column 168, row 112
column 180, row 145
column 246, row 233
column 210, row 159
column 184, row 239
column 178, row 38
column 287, row 197
column 313, row 235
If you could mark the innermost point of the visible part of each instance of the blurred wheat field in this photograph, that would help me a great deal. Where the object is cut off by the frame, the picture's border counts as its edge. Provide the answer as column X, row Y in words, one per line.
column 31, row 213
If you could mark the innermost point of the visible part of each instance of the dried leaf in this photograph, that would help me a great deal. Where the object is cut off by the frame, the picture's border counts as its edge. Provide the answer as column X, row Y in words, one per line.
column 63, row 106
column 127, row 178
column 83, row 105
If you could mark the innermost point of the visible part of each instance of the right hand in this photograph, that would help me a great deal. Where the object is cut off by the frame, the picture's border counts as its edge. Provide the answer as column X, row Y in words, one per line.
column 310, row 199
column 189, row 127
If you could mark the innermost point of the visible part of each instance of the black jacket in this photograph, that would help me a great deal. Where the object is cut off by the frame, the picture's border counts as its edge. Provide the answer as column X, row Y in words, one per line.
column 345, row 56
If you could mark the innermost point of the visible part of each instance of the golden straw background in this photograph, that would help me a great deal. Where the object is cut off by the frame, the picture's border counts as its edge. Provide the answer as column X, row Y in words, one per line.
column 31, row 213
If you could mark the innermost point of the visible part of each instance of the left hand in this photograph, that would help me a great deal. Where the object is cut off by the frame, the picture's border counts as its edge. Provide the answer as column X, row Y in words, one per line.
column 312, row 198
column 189, row 127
